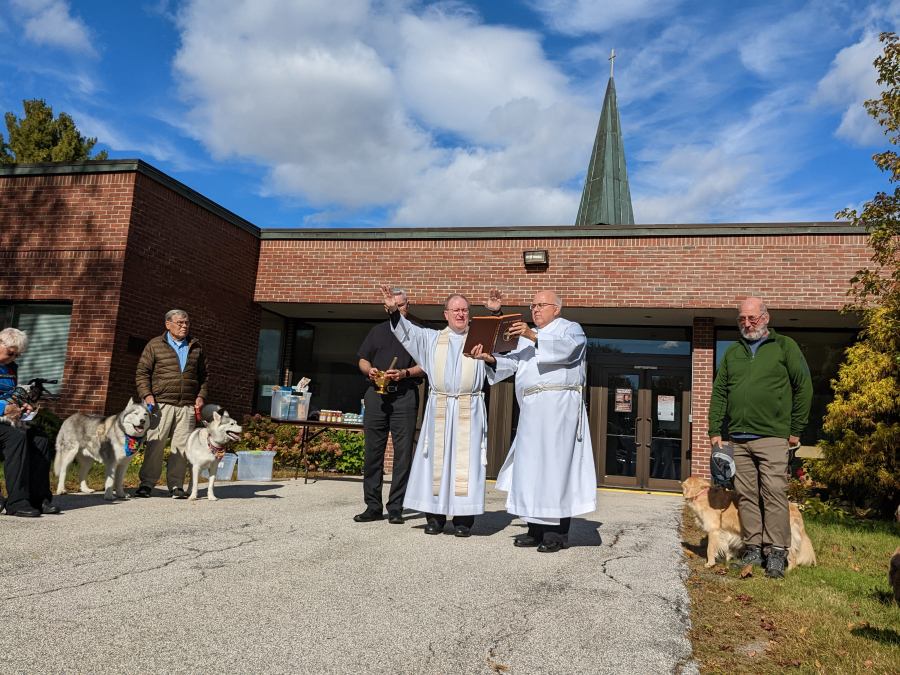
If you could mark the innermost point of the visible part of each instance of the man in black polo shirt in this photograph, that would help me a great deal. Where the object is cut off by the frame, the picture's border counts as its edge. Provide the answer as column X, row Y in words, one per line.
column 394, row 412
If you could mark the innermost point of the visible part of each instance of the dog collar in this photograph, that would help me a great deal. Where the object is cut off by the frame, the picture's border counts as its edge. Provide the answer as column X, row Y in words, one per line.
column 133, row 444
column 217, row 451
column 701, row 494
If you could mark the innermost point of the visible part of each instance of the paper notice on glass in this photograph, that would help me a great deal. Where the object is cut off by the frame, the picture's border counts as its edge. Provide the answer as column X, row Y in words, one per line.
column 665, row 408
column 623, row 400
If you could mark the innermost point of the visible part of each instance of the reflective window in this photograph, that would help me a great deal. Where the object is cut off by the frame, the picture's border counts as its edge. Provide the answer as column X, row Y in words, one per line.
column 823, row 351
column 47, row 327
column 268, row 360
column 636, row 340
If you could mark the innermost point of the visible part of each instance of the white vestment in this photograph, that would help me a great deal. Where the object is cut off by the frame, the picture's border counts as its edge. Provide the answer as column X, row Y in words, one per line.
column 549, row 472
column 460, row 476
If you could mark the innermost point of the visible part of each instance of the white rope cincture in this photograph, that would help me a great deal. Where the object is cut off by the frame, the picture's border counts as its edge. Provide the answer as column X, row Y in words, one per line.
column 538, row 388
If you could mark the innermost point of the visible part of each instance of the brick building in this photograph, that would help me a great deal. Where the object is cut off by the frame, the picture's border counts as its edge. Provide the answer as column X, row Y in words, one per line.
column 96, row 252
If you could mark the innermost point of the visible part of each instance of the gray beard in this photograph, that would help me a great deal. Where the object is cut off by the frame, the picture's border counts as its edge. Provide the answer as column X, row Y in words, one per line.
column 754, row 333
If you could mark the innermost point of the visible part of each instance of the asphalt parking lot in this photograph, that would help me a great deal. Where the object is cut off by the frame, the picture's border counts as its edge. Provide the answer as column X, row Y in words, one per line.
column 277, row 578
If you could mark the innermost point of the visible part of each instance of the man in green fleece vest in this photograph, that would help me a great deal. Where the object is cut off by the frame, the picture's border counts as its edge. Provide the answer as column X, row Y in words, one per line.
column 763, row 386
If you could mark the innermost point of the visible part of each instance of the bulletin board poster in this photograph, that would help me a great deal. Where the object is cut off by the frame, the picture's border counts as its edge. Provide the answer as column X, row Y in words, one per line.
column 623, row 400
column 665, row 408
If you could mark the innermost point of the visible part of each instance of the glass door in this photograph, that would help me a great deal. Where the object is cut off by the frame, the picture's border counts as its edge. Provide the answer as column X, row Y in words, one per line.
column 641, row 433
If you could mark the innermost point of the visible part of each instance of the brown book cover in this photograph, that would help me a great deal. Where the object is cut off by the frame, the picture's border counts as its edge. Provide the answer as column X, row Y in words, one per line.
column 491, row 333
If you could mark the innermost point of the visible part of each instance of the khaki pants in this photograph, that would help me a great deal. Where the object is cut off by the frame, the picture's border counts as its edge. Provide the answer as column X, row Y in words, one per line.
column 177, row 421
column 761, row 484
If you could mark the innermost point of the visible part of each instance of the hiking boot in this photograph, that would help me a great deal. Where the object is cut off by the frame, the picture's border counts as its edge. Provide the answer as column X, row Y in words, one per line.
column 776, row 563
column 752, row 556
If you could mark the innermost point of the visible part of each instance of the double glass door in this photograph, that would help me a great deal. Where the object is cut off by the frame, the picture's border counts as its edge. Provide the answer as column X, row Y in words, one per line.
column 643, row 436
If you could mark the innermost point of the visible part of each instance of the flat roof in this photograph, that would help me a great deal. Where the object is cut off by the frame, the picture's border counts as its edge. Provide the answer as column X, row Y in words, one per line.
column 413, row 233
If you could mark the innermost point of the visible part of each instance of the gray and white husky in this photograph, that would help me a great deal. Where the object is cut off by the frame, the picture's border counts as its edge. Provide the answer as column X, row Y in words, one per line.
column 205, row 447
column 93, row 438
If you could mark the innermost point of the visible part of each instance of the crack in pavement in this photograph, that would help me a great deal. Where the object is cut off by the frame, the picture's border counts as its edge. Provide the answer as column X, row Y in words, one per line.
column 197, row 554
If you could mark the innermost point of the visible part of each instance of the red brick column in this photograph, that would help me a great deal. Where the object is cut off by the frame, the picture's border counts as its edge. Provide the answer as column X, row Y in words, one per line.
column 389, row 455
column 704, row 353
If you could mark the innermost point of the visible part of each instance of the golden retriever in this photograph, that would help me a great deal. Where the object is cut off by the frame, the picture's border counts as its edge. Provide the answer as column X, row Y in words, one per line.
column 715, row 510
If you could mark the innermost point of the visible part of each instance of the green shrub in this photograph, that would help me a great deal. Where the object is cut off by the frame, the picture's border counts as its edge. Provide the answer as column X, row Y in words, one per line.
column 333, row 450
column 47, row 422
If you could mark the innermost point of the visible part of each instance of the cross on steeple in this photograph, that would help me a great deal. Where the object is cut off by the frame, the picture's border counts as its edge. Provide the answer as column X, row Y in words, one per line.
column 610, row 59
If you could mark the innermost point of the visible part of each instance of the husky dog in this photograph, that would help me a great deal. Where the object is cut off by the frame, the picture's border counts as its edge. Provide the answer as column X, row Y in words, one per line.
column 205, row 448
column 94, row 438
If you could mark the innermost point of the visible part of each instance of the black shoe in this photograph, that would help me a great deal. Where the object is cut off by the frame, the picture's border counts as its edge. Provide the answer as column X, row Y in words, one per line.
column 143, row 491
column 433, row 528
column 553, row 542
column 462, row 531
column 395, row 517
column 368, row 516
column 776, row 563
column 752, row 556
column 178, row 493
column 25, row 512
column 525, row 541
column 48, row 508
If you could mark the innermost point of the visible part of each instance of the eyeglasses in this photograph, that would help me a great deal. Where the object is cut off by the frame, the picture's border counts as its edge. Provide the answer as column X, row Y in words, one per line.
column 457, row 311
column 181, row 323
column 401, row 305
column 12, row 353
column 541, row 305
column 752, row 320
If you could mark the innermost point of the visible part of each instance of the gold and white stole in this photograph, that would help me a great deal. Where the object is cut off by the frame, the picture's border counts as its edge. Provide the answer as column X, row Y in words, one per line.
column 463, row 429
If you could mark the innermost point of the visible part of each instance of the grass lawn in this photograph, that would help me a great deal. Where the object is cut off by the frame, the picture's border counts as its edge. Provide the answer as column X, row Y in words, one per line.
column 838, row 617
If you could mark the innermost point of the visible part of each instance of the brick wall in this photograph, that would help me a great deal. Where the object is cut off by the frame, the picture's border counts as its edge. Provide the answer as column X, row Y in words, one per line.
column 180, row 255
column 790, row 272
column 703, row 356
column 63, row 238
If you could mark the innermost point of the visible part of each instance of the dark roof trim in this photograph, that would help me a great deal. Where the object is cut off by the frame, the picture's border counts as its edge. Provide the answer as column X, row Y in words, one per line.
column 127, row 166
column 568, row 232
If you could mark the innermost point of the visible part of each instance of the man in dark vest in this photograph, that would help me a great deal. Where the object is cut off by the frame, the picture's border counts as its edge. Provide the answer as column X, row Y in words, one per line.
column 394, row 412
column 26, row 452
column 171, row 379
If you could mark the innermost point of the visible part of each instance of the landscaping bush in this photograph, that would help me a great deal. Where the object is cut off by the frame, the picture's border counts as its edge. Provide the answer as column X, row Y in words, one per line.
column 334, row 450
column 47, row 422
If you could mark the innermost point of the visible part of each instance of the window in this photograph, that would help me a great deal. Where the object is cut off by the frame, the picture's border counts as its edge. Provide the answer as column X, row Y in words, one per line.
column 47, row 327
column 637, row 340
column 268, row 360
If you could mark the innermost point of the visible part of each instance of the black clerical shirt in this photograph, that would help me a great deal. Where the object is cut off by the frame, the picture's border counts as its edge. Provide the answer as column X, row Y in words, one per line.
column 380, row 347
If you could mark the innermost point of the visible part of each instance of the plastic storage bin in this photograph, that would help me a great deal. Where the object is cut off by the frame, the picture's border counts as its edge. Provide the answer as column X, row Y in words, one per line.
column 225, row 469
column 255, row 466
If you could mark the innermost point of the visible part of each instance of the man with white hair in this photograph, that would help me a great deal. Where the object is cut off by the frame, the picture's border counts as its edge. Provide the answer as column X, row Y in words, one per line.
column 171, row 380
column 448, row 470
column 26, row 452
column 763, row 385
column 549, row 471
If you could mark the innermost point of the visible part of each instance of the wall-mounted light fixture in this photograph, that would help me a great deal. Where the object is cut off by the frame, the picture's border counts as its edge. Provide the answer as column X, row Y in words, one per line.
column 536, row 258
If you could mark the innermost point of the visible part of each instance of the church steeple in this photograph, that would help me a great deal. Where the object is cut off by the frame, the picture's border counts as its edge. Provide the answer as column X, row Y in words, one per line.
column 606, row 198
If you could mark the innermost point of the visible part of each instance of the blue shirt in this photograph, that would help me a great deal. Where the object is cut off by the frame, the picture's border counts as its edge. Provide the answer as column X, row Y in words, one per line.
column 7, row 385
column 181, row 348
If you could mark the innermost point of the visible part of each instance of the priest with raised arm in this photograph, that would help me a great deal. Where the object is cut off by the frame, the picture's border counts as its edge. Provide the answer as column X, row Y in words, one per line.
column 448, row 469
column 549, row 472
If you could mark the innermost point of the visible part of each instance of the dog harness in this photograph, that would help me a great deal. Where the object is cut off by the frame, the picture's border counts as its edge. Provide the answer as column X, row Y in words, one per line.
column 215, row 450
column 133, row 444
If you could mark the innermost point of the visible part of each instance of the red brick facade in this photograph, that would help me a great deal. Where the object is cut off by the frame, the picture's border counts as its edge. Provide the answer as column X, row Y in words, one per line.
column 125, row 243
column 124, row 249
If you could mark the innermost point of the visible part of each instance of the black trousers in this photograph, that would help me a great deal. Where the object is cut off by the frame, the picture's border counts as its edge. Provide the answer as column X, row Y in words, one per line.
column 395, row 414
column 538, row 531
column 27, row 456
column 441, row 519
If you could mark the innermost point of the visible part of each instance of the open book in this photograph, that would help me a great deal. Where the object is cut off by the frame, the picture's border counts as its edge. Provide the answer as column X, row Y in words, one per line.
column 492, row 333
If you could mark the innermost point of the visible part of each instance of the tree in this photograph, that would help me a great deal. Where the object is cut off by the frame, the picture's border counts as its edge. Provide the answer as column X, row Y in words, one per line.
column 38, row 137
column 862, row 454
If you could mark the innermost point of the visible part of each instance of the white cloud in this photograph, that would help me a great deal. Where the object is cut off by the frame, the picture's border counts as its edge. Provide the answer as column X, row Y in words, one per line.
column 578, row 17
column 109, row 135
column 49, row 22
column 430, row 114
column 850, row 82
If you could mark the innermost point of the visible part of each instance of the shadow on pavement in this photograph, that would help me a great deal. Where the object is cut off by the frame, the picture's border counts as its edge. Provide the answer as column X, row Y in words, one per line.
column 72, row 501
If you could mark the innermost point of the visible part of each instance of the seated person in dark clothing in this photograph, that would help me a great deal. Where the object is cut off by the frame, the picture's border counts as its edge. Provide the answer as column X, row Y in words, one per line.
column 26, row 453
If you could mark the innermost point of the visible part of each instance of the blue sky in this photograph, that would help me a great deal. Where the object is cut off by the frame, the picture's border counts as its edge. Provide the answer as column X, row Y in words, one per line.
column 397, row 113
